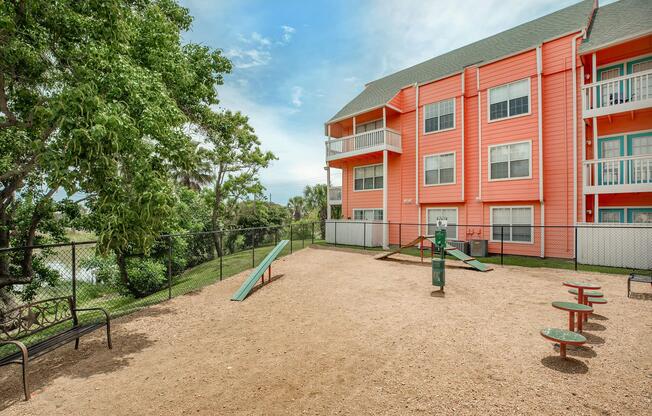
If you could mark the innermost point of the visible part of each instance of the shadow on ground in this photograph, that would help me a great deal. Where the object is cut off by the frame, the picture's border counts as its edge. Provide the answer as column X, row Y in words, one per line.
column 93, row 357
column 565, row 365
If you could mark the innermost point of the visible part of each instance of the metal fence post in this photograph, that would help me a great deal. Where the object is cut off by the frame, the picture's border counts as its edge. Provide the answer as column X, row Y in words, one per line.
column 169, row 267
column 303, row 236
column 335, row 232
column 400, row 241
column 364, row 235
column 253, row 248
column 502, row 239
column 221, row 254
column 575, row 252
column 312, row 235
column 74, row 275
column 291, row 240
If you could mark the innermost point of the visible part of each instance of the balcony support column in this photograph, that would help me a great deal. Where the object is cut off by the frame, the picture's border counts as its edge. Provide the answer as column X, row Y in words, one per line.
column 385, row 216
column 328, row 191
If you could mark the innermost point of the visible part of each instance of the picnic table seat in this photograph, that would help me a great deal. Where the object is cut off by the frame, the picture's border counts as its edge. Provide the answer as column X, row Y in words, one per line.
column 588, row 293
column 563, row 337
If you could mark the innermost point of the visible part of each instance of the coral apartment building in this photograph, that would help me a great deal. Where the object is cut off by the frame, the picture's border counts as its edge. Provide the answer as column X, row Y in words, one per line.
column 548, row 123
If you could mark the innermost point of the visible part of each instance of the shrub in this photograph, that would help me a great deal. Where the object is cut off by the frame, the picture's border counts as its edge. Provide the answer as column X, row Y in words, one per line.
column 146, row 276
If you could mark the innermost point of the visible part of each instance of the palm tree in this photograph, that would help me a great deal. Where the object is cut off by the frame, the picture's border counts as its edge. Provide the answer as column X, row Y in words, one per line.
column 316, row 200
column 198, row 174
column 296, row 206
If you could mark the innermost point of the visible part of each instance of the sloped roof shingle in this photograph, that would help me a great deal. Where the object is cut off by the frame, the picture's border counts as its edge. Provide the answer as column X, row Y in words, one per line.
column 516, row 39
column 621, row 20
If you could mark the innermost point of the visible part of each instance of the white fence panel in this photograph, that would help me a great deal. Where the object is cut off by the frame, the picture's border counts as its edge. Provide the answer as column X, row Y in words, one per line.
column 354, row 233
column 616, row 245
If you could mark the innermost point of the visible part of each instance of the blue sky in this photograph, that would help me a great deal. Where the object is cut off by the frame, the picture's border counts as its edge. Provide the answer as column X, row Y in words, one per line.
column 298, row 62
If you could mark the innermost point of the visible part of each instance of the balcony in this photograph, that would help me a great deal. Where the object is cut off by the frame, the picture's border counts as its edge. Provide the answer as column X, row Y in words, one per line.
column 617, row 95
column 363, row 143
column 335, row 195
column 618, row 175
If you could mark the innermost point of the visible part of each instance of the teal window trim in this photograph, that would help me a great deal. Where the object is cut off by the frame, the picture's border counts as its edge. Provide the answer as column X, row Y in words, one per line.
column 620, row 211
column 631, row 211
column 631, row 164
column 621, row 67
column 633, row 136
column 631, row 64
column 621, row 141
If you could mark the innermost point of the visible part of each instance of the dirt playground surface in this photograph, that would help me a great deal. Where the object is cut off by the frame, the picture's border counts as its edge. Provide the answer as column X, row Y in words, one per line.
column 341, row 333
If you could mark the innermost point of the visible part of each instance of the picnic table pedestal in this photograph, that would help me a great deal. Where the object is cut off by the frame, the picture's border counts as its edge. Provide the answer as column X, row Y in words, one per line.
column 573, row 308
column 581, row 298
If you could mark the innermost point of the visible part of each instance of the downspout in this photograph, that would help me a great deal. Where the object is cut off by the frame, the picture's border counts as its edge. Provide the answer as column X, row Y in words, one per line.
column 583, row 144
column 594, row 79
column 328, row 178
column 574, row 72
column 462, row 131
column 477, row 82
column 385, row 185
column 416, row 141
column 540, row 128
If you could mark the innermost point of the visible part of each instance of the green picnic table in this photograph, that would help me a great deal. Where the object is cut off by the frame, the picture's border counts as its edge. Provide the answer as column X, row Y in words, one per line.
column 573, row 308
column 581, row 287
column 563, row 337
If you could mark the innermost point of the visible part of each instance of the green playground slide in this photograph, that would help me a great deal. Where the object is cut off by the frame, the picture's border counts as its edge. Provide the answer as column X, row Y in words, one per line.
column 465, row 258
column 248, row 284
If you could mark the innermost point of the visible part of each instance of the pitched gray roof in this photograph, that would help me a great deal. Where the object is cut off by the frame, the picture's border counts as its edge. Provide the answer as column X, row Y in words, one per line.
column 516, row 39
column 621, row 20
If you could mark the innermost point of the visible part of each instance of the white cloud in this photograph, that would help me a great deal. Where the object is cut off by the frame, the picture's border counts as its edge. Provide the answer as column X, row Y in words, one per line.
column 288, row 32
column 248, row 58
column 300, row 150
column 297, row 95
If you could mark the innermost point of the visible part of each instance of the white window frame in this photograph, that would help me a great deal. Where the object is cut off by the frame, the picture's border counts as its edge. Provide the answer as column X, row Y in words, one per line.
column 491, row 223
column 508, row 162
column 529, row 101
column 457, row 217
column 423, row 127
column 368, row 209
column 368, row 190
column 454, row 169
column 369, row 122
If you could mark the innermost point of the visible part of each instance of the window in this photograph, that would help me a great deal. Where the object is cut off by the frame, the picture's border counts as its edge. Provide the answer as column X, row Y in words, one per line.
column 368, row 177
column 611, row 215
column 643, row 88
column 440, row 169
column 509, row 100
column 439, row 116
column 449, row 214
column 609, row 172
column 641, row 169
column 639, row 215
column 509, row 161
column 514, row 223
column 373, row 214
column 372, row 125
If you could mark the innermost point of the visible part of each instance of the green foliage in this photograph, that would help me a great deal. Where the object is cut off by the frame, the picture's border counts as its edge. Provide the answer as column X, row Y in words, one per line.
column 104, row 268
column 146, row 276
column 95, row 96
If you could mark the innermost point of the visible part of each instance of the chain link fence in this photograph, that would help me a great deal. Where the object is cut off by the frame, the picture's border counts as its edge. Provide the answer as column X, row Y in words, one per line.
column 609, row 248
column 175, row 265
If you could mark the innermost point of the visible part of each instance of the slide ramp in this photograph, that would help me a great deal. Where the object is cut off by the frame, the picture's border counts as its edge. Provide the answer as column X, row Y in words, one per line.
column 248, row 284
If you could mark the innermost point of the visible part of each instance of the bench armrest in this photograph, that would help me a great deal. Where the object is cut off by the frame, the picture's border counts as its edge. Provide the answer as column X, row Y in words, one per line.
column 18, row 344
column 108, row 317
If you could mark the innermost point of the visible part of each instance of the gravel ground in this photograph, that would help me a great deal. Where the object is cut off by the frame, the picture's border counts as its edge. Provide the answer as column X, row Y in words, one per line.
column 338, row 332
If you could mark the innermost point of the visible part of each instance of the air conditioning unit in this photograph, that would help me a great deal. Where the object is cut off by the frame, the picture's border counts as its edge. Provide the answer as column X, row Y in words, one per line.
column 462, row 246
column 479, row 248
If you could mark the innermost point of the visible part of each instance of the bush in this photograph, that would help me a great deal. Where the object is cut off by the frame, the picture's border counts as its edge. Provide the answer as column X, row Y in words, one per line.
column 146, row 276
column 104, row 269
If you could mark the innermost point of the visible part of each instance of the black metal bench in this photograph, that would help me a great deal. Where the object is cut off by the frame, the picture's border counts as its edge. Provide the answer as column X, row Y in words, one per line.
column 639, row 278
column 32, row 318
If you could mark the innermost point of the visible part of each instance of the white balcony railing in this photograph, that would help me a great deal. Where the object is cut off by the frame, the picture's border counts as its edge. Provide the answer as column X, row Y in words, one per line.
column 626, row 93
column 618, row 175
column 335, row 195
column 361, row 143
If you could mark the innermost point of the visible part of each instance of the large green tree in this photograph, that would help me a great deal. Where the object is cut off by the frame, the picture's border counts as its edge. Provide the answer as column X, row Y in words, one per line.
column 94, row 97
column 315, row 198
column 236, row 155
